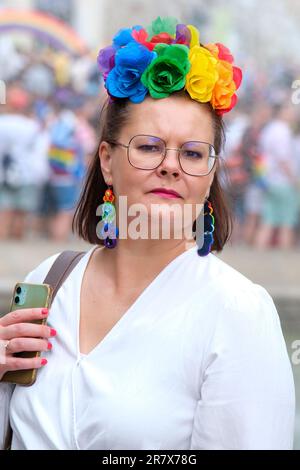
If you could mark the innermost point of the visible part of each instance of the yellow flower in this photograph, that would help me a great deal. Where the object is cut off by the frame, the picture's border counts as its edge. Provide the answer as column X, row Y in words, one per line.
column 203, row 75
column 195, row 36
column 225, row 87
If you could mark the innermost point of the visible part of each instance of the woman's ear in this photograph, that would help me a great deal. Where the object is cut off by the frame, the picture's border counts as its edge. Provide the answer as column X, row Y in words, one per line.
column 105, row 161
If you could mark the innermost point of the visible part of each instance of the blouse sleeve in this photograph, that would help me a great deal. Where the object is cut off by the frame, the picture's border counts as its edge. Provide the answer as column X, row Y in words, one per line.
column 6, row 389
column 247, row 393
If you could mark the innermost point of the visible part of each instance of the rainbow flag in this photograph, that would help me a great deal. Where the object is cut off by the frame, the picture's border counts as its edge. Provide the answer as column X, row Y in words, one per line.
column 260, row 171
column 62, row 161
column 43, row 26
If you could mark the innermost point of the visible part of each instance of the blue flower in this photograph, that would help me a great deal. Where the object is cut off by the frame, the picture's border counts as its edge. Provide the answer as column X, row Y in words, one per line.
column 123, row 36
column 124, row 80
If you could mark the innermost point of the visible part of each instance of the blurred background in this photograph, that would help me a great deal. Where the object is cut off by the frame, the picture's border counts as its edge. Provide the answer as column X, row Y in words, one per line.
column 50, row 100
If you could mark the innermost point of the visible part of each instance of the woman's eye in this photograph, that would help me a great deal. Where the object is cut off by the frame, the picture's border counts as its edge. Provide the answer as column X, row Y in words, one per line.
column 149, row 148
column 192, row 154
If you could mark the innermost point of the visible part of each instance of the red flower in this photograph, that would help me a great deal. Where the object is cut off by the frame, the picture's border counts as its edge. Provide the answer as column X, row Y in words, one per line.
column 141, row 37
column 237, row 76
column 162, row 37
column 224, row 53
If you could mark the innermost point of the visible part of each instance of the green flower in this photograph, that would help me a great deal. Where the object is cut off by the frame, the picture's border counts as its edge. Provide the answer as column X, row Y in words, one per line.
column 162, row 25
column 167, row 73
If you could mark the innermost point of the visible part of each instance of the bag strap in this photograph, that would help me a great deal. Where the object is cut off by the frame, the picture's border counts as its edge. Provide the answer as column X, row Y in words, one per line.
column 57, row 274
column 61, row 268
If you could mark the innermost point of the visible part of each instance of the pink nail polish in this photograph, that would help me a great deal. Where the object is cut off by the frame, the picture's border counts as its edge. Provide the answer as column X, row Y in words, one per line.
column 49, row 346
column 44, row 311
column 52, row 332
column 44, row 362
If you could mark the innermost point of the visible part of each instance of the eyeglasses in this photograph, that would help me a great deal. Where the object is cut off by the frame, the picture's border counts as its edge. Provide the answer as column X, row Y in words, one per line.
column 147, row 152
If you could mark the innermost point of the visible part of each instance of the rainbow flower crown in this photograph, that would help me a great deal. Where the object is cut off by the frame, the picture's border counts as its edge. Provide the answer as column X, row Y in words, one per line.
column 167, row 57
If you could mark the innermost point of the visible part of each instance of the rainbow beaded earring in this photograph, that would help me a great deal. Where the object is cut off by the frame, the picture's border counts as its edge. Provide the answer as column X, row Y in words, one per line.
column 209, row 227
column 109, row 231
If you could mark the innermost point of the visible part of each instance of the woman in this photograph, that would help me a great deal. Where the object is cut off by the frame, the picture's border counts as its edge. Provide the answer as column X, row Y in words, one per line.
column 156, row 347
column 279, row 208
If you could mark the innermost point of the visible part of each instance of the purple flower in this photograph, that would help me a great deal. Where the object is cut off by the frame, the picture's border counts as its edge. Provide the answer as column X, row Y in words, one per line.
column 106, row 56
column 106, row 60
column 183, row 35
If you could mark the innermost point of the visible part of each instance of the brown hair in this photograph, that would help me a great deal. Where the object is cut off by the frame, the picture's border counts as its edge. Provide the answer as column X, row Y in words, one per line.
column 114, row 116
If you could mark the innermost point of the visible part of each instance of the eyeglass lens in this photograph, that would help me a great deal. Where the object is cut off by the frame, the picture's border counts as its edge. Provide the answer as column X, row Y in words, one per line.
column 147, row 152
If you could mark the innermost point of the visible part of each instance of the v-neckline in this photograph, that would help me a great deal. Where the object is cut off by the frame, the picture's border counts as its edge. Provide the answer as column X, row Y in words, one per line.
column 126, row 314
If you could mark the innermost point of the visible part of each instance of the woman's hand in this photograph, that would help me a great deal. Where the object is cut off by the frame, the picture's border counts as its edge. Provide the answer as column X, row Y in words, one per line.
column 17, row 335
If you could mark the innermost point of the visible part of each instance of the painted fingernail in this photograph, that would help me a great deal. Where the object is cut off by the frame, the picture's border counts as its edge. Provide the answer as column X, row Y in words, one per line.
column 44, row 311
column 44, row 362
column 52, row 332
column 49, row 346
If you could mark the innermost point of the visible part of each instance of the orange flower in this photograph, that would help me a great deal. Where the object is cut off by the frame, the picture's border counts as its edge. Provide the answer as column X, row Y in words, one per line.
column 237, row 78
column 225, row 86
column 220, row 51
column 233, row 102
column 213, row 48
column 230, row 77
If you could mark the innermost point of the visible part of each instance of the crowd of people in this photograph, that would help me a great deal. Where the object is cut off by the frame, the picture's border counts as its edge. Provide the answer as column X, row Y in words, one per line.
column 44, row 154
column 47, row 136
column 262, row 174
column 49, row 131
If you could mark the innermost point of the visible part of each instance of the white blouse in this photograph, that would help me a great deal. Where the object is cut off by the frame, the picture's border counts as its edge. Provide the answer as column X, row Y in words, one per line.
column 197, row 362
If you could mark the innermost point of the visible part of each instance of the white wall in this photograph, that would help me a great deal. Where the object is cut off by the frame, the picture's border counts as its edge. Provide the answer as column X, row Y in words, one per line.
column 17, row 3
column 89, row 21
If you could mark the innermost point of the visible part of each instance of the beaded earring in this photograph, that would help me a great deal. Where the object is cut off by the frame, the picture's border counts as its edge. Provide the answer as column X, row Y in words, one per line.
column 109, row 231
column 209, row 227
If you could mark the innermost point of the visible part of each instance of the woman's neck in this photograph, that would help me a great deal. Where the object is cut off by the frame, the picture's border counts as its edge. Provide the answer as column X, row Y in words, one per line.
column 133, row 262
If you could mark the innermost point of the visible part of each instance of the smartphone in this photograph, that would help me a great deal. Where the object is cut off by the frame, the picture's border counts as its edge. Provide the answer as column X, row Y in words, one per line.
column 27, row 295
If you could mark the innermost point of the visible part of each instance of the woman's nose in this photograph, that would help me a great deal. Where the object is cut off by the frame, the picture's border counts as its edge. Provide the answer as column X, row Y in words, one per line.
column 170, row 163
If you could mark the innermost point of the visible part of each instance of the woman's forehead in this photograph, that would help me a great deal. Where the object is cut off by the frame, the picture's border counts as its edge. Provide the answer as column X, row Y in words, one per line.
column 170, row 117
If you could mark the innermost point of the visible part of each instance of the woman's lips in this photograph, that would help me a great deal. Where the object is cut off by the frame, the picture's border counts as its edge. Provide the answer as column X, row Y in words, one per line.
column 166, row 194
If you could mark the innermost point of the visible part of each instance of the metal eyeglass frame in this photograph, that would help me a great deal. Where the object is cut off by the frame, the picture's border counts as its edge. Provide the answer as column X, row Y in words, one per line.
column 166, row 149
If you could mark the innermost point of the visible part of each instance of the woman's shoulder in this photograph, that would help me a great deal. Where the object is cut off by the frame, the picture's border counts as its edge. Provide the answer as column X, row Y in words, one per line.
column 239, row 317
column 244, row 301
column 230, row 295
column 220, row 275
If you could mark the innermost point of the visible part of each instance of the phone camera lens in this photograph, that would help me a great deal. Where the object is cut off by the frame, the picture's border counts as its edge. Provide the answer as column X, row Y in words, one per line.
column 17, row 299
column 19, row 290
